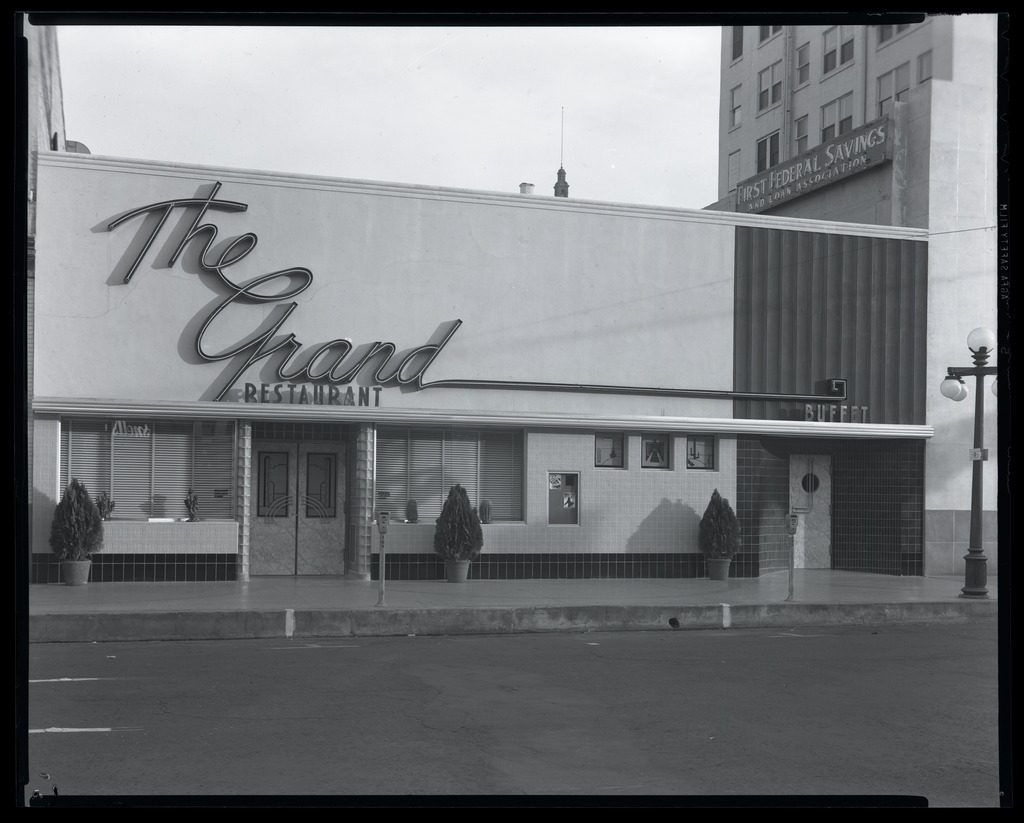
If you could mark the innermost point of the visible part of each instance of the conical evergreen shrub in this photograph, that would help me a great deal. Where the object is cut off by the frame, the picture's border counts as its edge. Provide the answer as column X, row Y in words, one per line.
column 458, row 535
column 77, row 528
column 719, row 535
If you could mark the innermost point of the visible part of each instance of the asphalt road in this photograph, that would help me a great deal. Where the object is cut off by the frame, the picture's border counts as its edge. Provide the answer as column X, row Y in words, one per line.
column 898, row 710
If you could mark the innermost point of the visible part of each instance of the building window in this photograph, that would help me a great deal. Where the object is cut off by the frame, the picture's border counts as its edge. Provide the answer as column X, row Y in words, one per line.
column 654, row 451
column 768, row 151
column 893, row 85
column 845, row 46
column 148, row 466
column 803, row 64
column 737, row 42
column 769, row 86
column 700, row 452
column 423, row 464
column 837, row 117
column 610, row 450
column 764, row 32
column 886, row 33
column 800, row 134
column 838, row 47
column 924, row 66
column 734, row 169
column 735, row 107
column 830, row 59
column 563, row 498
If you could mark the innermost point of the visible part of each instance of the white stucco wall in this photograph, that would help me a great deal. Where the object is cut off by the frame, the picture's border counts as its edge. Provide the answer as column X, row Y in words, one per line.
column 961, row 272
column 548, row 289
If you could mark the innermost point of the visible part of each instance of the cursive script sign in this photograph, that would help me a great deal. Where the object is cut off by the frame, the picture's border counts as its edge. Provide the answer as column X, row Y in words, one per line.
column 336, row 361
column 331, row 362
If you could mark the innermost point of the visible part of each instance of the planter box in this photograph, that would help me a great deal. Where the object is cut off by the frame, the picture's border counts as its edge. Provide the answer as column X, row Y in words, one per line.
column 75, row 572
column 140, row 537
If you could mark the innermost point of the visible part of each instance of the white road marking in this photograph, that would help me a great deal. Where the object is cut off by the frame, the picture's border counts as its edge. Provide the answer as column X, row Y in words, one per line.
column 65, row 730
column 67, row 679
column 313, row 646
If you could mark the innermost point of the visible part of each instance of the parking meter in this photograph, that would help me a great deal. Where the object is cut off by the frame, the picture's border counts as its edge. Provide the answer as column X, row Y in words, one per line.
column 382, row 527
column 792, row 520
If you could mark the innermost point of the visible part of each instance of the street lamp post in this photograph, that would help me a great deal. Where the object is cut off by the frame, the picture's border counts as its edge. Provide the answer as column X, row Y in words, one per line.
column 982, row 343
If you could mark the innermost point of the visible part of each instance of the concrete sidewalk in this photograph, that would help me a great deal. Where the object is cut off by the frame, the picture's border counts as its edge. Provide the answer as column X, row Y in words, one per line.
column 337, row 607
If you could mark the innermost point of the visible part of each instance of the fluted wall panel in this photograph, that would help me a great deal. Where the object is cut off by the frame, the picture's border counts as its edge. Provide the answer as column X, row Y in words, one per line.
column 811, row 306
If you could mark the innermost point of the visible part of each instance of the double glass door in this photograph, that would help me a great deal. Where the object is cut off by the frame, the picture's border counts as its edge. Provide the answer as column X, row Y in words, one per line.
column 298, row 508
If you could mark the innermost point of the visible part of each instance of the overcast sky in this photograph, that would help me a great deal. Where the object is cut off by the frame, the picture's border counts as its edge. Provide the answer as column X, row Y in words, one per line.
column 476, row 108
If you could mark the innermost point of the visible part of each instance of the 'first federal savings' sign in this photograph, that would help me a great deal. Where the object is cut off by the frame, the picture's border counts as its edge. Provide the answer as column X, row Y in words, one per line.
column 830, row 162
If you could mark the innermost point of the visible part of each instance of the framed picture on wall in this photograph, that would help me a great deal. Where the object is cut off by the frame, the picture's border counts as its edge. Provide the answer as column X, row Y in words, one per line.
column 700, row 452
column 609, row 451
column 654, row 451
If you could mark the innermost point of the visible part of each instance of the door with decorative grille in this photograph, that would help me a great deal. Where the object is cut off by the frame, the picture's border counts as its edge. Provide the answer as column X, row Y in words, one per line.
column 298, row 508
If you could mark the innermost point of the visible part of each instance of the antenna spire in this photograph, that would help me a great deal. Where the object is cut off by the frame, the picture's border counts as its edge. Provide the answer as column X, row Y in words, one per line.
column 561, row 148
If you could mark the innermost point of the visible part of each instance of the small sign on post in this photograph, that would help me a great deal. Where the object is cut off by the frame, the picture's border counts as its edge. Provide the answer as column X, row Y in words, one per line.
column 979, row 454
column 382, row 527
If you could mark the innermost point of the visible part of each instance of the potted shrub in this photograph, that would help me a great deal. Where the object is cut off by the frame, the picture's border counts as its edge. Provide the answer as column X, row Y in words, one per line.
column 458, row 537
column 719, row 536
column 105, row 505
column 485, row 511
column 75, row 533
column 192, row 506
column 412, row 512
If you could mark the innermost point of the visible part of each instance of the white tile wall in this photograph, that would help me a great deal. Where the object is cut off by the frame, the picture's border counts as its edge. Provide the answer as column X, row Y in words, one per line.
column 621, row 510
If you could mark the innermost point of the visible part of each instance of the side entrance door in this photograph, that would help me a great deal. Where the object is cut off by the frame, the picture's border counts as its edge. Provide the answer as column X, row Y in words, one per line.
column 298, row 508
column 810, row 497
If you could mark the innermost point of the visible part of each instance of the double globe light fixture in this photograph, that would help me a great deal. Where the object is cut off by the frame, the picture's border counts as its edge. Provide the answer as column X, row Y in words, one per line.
column 982, row 343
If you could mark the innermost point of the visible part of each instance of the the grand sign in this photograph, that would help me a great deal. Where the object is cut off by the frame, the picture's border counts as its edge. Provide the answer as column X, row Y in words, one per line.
column 315, row 375
column 832, row 161
column 333, row 362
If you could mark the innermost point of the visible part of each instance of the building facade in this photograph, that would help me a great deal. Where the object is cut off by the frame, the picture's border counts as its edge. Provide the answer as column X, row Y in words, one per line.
column 891, row 124
column 303, row 353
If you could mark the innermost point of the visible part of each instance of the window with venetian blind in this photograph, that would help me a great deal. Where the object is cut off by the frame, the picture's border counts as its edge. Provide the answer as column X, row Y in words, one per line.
column 423, row 464
column 148, row 466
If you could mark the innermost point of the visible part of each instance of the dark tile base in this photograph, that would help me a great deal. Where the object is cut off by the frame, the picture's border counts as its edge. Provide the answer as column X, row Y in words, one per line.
column 877, row 504
column 145, row 568
column 558, row 566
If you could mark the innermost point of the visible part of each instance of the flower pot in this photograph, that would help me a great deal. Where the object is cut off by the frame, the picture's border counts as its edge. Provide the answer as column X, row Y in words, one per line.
column 456, row 570
column 75, row 572
column 718, row 567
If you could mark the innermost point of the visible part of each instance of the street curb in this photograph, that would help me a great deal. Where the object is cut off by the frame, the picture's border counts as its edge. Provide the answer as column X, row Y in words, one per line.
column 385, row 622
